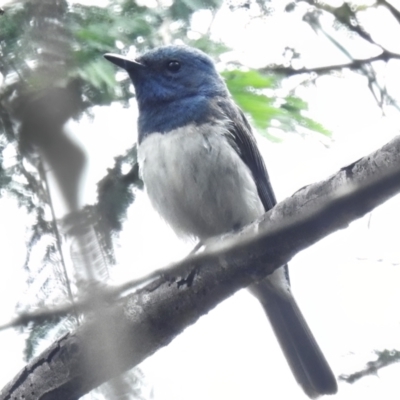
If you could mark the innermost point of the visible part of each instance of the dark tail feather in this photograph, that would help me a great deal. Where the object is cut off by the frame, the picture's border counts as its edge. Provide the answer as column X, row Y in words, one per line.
column 301, row 350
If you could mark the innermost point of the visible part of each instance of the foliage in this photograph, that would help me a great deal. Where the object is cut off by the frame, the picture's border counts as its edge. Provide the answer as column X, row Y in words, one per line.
column 115, row 193
column 254, row 93
column 37, row 333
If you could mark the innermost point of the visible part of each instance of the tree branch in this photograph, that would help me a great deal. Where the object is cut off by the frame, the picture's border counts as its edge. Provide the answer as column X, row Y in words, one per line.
column 384, row 359
column 122, row 335
column 354, row 64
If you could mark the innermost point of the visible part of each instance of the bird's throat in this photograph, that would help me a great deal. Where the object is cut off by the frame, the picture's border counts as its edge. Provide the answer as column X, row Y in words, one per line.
column 164, row 117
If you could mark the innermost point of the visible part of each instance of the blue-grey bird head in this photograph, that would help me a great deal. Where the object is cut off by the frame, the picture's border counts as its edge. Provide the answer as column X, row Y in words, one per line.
column 174, row 86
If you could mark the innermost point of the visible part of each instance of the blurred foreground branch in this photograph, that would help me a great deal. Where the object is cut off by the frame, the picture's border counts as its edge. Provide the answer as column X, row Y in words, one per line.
column 121, row 335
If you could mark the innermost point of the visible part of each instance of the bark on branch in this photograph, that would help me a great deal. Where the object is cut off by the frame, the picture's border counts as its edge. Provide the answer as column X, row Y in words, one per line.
column 123, row 334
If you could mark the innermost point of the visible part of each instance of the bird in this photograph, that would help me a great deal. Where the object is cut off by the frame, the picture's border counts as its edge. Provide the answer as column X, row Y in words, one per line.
column 205, row 176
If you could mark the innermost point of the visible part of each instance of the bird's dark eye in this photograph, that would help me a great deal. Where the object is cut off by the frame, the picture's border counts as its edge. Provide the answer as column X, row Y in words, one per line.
column 174, row 66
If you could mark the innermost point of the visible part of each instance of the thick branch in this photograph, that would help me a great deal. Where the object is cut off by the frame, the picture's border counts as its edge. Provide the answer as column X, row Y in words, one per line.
column 124, row 334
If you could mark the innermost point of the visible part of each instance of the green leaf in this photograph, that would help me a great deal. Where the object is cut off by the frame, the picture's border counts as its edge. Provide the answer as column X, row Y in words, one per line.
column 244, row 80
column 249, row 90
column 98, row 73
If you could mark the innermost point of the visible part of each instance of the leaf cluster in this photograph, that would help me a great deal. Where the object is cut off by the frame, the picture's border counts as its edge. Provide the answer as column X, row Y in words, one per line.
column 255, row 93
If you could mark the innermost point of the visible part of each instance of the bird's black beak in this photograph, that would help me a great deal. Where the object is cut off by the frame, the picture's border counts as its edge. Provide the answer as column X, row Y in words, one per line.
column 123, row 62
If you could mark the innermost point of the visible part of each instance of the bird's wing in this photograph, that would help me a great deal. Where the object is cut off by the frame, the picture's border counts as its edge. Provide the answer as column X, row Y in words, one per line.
column 243, row 141
column 301, row 350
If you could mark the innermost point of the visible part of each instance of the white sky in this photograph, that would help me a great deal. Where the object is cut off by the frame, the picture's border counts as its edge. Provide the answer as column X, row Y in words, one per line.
column 347, row 285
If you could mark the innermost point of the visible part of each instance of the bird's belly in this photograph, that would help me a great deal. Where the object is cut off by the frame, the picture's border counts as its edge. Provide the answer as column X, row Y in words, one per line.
column 197, row 181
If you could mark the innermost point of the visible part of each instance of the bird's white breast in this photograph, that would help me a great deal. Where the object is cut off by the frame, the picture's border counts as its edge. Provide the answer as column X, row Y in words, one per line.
column 197, row 181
